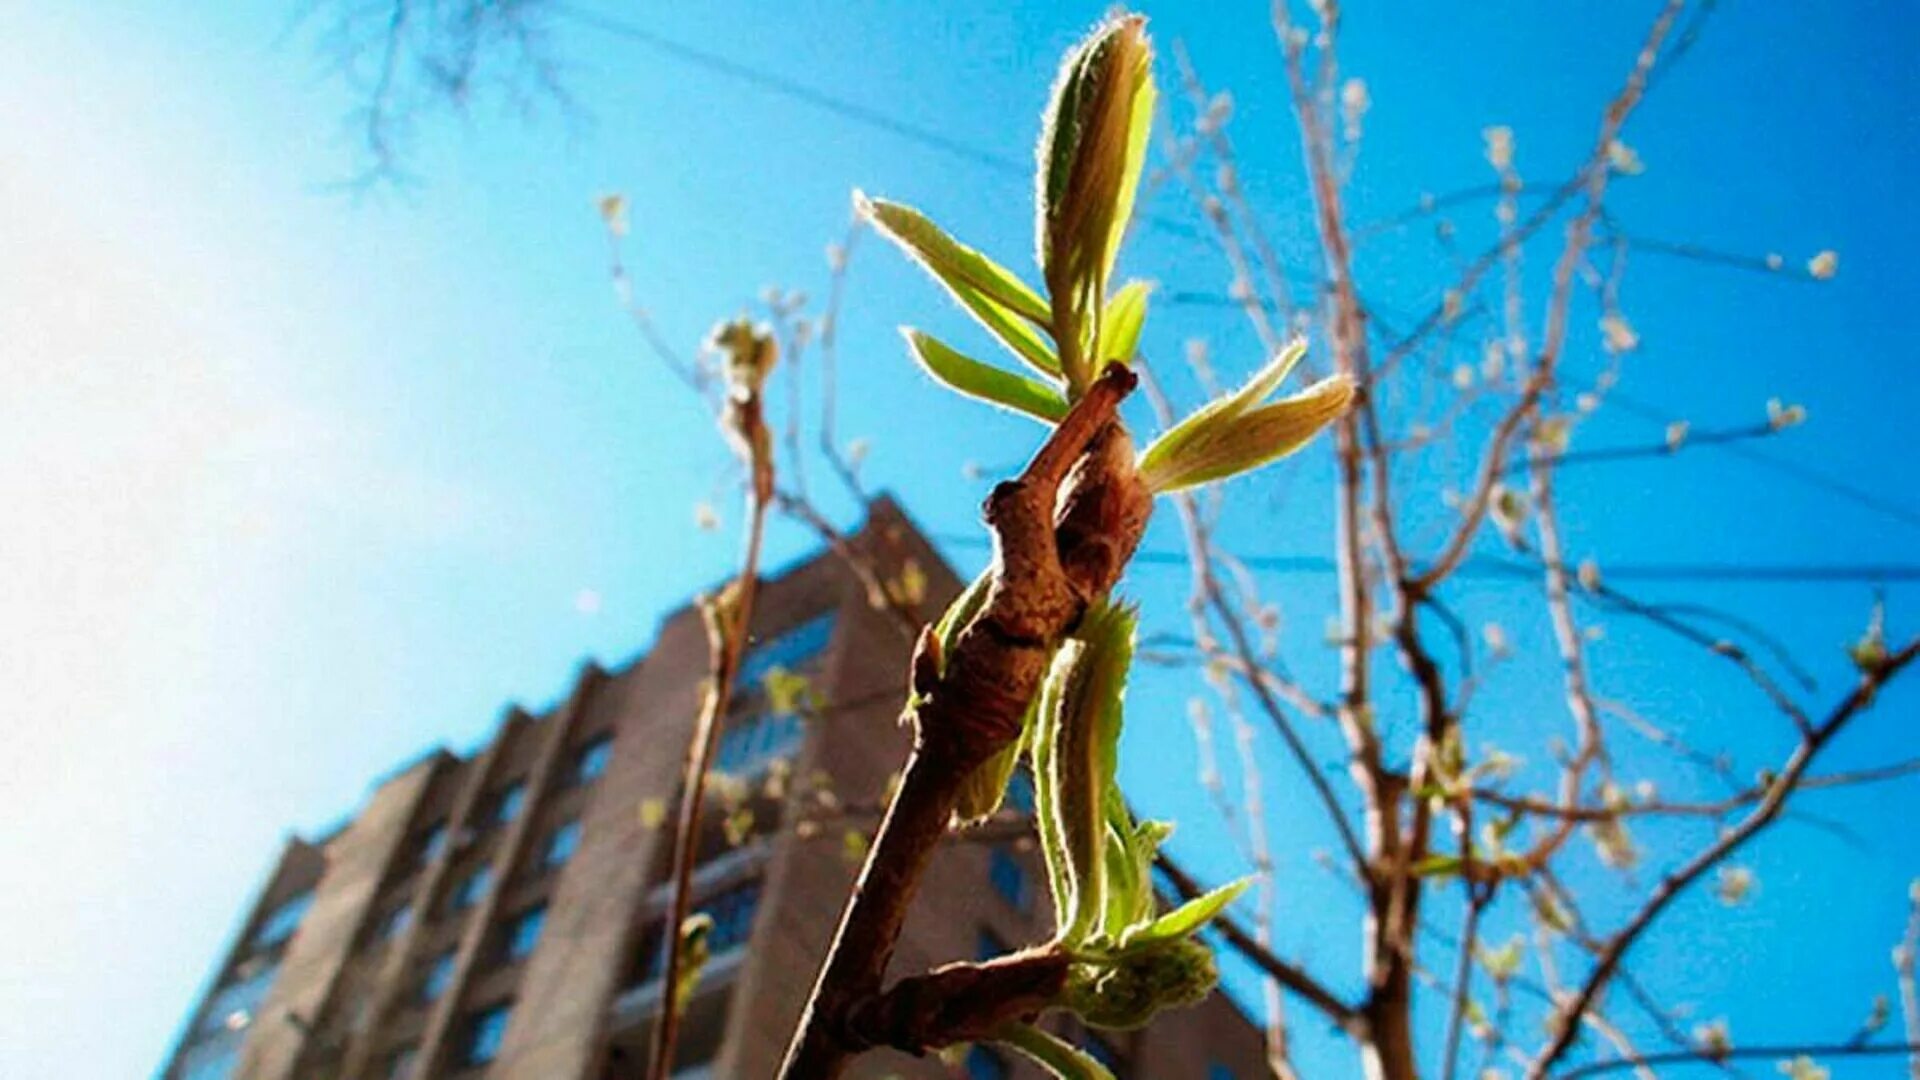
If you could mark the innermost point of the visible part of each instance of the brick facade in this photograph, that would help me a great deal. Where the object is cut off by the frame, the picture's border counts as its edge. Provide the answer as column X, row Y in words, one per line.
column 494, row 916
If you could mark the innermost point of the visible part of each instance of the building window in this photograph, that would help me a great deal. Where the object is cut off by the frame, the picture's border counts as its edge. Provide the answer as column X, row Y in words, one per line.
column 215, row 1059
column 431, row 842
column 439, row 977
column 486, row 1030
column 523, row 933
column 401, row 1062
column 746, row 749
column 593, row 759
column 282, row 921
column 561, row 845
column 1009, row 878
column 732, row 913
column 1105, row 1053
column 1020, row 791
column 790, row 650
column 234, row 1006
column 396, row 922
column 985, row 1064
column 507, row 804
column 471, row 889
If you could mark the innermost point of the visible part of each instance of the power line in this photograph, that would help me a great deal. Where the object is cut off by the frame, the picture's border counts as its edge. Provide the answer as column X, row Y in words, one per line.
column 845, row 108
column 1494, row 568
column 857, row 113
column 798, row 91
column 1808, row 475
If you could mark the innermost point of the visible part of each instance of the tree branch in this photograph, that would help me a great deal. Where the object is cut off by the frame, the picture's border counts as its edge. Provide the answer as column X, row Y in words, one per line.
column 969, row 705
column 1677, row 882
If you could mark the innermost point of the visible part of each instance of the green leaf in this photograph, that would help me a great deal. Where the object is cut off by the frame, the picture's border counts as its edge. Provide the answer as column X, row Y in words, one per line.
column 1056, row 1055
column 1147, row 838
column 994, row 385
column 1120, row 322
column 986, row 786
column 1131, row 849
column 1236, row 434
column 1185, row 920
column 1093, row 147
column 1223, row 409
column 1124, row 887
column 1084, row 745
column 1090, row 154
column 960, row 613
column 1002, row 303
column 1140, row 127
column 1438, row 866
column 1042, row 743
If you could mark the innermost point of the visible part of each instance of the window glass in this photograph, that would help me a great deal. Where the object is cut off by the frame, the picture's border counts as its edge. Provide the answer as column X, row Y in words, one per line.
column 1020, row 790
column 486, row 1030
column 214, row 1059
column 986, row 1064
column 233, row 1006
column 751, row 745
column 396, row 922
column 510, row 800
column 282, row 921
column 433, row 841
column 593, row 759
column 790, row 650
column 400, row 1063
column 1105, row 1053
column 732, row 913
column 562, row 844
column 524, row 932
column 1009, row 878
column 439, row 977
column 471, row 889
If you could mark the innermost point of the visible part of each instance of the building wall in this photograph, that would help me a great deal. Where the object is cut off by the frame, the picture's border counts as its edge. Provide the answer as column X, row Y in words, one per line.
column 581, row 1005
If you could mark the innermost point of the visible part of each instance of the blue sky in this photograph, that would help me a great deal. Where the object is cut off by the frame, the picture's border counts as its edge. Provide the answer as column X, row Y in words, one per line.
column 298, row 484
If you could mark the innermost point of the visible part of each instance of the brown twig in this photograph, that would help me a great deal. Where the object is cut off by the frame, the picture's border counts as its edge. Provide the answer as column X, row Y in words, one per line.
column 728, row 618
column 968, row 705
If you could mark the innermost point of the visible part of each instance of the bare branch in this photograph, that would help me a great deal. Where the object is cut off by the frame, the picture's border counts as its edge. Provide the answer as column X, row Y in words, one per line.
column 1673, row 884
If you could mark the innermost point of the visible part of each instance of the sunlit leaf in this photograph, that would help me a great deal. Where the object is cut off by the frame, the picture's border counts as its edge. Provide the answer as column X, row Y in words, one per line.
column 1121, row 319
column 1002, row 303
column 1187, row 919
column 1231, row 436
column 1080, row 723
column 1090, row 154
column 994, row 385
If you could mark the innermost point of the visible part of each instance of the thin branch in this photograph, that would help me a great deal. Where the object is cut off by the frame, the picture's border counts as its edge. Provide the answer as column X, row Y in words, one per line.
column 1742, row 1053
column 1903, row 964
column 1759, row 818
column 728, row 618
column 1294, row 978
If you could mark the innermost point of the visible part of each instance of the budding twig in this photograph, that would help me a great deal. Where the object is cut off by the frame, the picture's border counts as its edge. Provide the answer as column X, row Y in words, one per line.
column 1046, row 569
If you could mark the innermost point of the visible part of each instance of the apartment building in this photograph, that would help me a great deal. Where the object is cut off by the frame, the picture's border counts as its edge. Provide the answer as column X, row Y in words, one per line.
column 499, row 915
